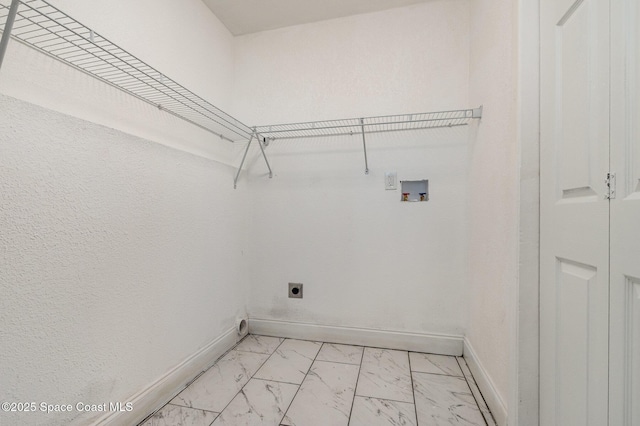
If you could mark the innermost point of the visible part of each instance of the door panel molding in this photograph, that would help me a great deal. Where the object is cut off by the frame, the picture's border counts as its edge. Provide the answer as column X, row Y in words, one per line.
column 631, row 188
column 632, row 352
column 575, row 284
column 574, row 237
column 624, row 350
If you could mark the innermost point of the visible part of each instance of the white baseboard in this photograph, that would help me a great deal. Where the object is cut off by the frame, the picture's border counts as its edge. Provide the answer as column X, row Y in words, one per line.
column 484, row 382
column 166, row 387
column 419, row 342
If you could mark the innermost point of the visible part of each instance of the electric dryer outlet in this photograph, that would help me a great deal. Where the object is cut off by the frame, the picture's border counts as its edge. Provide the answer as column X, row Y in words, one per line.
column 295, row 291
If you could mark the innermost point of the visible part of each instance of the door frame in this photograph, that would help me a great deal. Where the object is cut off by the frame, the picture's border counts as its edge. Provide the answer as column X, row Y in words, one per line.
column 524, row 376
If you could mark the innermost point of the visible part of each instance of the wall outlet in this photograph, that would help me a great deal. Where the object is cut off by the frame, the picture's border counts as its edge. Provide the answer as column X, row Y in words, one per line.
column 295, row 291
column 390, row 180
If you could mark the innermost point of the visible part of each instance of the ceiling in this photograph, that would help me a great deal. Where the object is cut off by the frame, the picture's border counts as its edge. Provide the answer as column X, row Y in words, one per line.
column 250, row 16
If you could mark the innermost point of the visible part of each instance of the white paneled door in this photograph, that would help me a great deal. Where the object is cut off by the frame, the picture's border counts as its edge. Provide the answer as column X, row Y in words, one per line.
column 574, row 259
column 624, row 398
column 590, row 213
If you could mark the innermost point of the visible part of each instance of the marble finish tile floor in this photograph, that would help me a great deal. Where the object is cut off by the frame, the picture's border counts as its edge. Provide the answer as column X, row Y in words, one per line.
column 270, row 381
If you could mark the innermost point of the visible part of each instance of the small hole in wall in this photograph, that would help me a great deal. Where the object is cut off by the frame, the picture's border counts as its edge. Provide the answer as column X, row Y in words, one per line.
column 295, row 290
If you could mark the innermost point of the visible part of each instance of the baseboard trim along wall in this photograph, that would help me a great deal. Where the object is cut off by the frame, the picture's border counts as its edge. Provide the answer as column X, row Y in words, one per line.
column 484, row 382
column 165, row 388
column 419, row 342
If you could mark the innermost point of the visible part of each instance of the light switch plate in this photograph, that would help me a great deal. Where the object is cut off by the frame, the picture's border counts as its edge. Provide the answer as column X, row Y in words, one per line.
column 390, row 180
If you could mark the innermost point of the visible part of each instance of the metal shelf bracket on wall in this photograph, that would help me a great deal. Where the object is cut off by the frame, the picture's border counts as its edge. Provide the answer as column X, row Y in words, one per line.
column 8, row 27
column 364, row 145
column 256, row 136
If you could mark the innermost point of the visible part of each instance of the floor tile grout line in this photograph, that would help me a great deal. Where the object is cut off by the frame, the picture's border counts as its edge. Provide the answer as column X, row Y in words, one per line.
column 214, row 363
column 444, row 373
column 357, row 346
column 192, row 381
column 268, row 358
column 209, row 368
column 191, row 408
column 234, row 348
column 335, row 362
column 179, row 406
column 275, row 381
column 296, row 338
column 250, row 378
column 413, row 390
column 284, row 339
column 472, row 394
column 438, row 374
column 376, row 371
column 215, row 418
column 355, row 389
column 300, row 386
column 311, row 340
column 384, row 399
column 488, row 410
column 254, row 352
column 184, row 406
column 472, row 380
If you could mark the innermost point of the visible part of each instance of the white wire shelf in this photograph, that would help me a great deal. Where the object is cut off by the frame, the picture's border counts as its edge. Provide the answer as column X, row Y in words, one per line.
column 49, row 30
column 42, row 26
column 362, row 126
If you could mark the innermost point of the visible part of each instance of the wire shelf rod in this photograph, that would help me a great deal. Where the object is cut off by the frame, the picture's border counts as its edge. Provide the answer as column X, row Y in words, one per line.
column 368, row 132
column 465, row 113
column 379, row 124
column 49, row 30
column 264, row 130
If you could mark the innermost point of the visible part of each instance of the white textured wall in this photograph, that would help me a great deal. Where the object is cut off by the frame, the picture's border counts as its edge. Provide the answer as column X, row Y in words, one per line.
column 119, row 257
column 410, row 59
column 366, row 259
column 182, row 39
column 493, row 188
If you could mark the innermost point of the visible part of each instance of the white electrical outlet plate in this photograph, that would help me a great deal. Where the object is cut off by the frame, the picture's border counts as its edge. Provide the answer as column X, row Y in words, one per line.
column 390, row 180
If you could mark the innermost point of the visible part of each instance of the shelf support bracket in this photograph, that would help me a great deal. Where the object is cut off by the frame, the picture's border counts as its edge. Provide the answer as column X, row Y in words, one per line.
column 8, row 26
column 263, row 153
column 244, row 157
column 364, row 145
column 254, row 135
column 476, row 112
